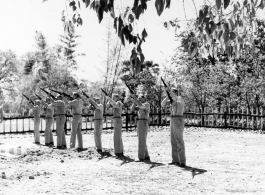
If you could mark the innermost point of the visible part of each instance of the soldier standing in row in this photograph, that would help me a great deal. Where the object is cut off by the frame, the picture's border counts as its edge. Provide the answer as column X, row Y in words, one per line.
column 142, row 126
column 176, row 127
column 98, row 122
column 117, row 124
column 36, row 108
column 49, row 112
column 1, row 114
column 60, row 120
column 77, row 106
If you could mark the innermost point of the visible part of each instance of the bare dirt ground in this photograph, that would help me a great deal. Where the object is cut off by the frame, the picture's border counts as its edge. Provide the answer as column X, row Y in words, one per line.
column 218, row 162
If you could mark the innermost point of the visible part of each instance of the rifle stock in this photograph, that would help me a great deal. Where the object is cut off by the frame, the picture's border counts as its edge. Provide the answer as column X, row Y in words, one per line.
column 165, row 85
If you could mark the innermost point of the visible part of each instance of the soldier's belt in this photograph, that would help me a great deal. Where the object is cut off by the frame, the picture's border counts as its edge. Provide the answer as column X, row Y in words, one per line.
column 116, row 117
column 60, row 115
column 76, row 114
column 141, row 119
column 173, row 116
column 49, row 117
column 97, row 119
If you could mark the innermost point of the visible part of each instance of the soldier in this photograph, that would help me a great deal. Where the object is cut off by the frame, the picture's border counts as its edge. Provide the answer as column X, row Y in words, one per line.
column 60, row 120
column 77, row 105
column 176, row 127
column 1, row 114
column 36, row 108
column 49, row 112
column 142, row 126
column 117, row 124
column 98, row 122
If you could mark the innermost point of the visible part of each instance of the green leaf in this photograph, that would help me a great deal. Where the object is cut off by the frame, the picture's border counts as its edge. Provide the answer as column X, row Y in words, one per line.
column 192, row 49
column 100, row 10
column 142, row 57
column 235, row 9
column 130, row 39
column 232, row 36
column 261, row 5
column 159, row 4
column 87, row 3
column 232, row 25
column 201, row 16
column 144, row 34
column 92, row 5
column 74, row 7
column 168, row 3
column 135, row 4
column 122, row 38
column 120, row 26
column 218, row 4
column 134, row 39
column 213, row 26
column 115, row 24
column 226, row 3
column 138, row 13
column 74, row 20
column 143, row 5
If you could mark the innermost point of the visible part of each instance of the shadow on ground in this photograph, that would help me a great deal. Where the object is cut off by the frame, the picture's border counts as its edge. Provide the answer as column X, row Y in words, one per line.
column 194, row 171
column 125, row 159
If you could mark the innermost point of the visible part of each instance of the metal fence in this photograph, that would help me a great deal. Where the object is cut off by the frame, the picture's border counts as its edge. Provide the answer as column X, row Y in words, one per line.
column 234, row 119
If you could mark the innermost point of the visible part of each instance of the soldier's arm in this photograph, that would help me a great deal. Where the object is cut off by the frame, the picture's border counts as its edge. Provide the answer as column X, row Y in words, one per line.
column 145, row 106
column 112, row 102
column 163, row 103
column 133, row 106
column 100, row 107
column 71, row 103
column 93, row 103
column 57, row 103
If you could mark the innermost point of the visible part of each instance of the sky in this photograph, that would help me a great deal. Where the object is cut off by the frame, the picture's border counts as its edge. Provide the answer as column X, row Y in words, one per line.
column 20, row 19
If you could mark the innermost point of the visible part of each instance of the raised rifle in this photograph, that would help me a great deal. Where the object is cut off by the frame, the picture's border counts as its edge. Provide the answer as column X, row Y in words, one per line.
column 30, row 101
column 106, row 94
column 38, row 96
column 63, row 94
column 130, row 89
column 165, row 85
column 49, row 94
column 85, row 94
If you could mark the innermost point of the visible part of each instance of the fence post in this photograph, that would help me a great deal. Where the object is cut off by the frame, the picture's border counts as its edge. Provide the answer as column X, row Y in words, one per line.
column 225, row 116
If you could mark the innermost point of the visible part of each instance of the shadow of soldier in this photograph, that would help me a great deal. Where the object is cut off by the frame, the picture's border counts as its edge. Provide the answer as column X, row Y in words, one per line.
column 125, row 159
column 104, row 154
column 194, row 171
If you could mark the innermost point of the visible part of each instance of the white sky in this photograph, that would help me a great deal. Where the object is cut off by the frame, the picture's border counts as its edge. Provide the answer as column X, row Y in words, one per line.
column 21, row 18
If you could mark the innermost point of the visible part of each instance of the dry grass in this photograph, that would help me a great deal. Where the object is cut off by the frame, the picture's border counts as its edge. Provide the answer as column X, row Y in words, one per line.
column 219, row 162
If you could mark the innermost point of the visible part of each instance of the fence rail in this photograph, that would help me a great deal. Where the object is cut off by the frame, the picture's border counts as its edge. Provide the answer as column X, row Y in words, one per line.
column 212, row 119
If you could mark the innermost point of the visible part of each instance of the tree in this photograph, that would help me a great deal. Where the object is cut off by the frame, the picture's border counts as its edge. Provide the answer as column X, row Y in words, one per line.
column 113, row 63
column 69, row 45
column 9, row 69
column 231, row 24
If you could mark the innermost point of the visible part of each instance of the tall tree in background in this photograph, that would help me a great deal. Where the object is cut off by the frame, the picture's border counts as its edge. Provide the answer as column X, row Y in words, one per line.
column 69, row 44
column 9, row 73
column 115, row 55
